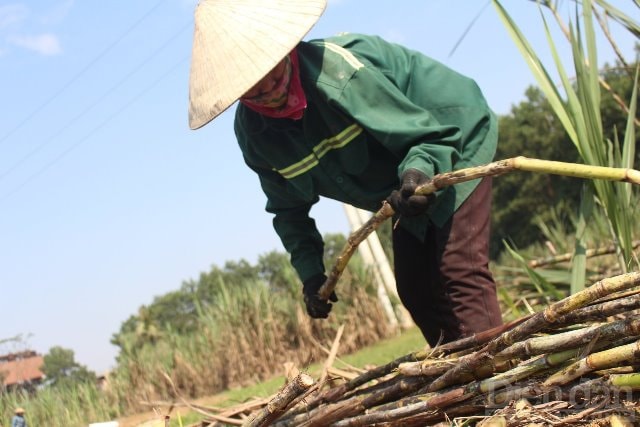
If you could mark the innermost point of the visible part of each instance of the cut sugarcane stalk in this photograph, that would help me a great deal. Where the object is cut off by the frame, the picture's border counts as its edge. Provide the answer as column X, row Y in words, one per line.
column 463, row 175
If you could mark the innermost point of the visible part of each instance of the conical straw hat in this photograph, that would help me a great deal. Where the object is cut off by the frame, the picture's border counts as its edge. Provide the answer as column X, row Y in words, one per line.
column 236, row 43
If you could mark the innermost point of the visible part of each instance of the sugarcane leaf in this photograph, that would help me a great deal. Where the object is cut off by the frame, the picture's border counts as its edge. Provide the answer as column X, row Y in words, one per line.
column 579, row 264
column 628, row 151
column 544, row 287
column 621, row 17
column 584, row 106
column 539, row 71
column 555, row 276
column 505, row 298
column 592, row 55
column 588, row 90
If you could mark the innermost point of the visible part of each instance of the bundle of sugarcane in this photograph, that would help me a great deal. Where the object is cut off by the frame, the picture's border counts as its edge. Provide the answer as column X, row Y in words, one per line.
column 573, row 362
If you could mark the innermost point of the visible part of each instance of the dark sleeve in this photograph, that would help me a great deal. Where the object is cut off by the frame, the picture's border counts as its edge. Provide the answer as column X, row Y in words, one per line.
column 296, row 229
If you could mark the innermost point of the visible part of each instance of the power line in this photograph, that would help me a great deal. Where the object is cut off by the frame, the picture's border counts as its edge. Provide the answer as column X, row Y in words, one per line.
column 79, row 74
column 94, row 130
column 94, row 104
column 464, row 34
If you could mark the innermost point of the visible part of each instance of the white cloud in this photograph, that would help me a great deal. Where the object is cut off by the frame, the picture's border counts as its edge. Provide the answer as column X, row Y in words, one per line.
column 17, row 19
column 44, row 44
column 12, row 14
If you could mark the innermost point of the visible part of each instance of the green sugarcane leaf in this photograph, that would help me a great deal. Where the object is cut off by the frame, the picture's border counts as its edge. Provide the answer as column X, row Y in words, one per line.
column 543, row 286
column 573, row 106
column 579, row 264
column 621, row 17
column 505, row 298
column 592, row 55
column 540, row 73
column 629, row 146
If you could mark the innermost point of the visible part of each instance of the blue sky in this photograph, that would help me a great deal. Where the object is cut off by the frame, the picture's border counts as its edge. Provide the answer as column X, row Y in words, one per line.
column 107, row 199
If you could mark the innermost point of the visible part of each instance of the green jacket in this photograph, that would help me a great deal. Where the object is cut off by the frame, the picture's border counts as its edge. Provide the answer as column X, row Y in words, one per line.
column 375, row 109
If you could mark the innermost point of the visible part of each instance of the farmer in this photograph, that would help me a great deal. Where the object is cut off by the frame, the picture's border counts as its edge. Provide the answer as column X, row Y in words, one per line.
column 360, row 120
column 18, row 419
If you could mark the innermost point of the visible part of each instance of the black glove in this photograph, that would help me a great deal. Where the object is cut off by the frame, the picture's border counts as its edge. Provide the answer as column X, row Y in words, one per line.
column 317, row 307
column 404, row 201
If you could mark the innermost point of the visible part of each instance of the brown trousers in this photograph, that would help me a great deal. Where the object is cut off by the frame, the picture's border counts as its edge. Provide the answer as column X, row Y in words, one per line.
column 445, row 282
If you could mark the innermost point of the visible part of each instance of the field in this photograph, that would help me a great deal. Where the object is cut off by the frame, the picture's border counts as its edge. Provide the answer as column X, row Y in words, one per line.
column 229, row 334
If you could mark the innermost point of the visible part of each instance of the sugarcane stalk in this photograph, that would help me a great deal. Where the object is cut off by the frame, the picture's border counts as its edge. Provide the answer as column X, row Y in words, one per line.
column 432, row 368
column 405, row 401
column 589, row 253
column 610, row 332
column 332, row 354
column 601, row 311
column 350, row 247
column 631, row 381
column 478, row 338
column 306, row 412
column 601, row 360
column 534, row 367
column 603, row 385
column 615, row 371
column 502, row 397
column 336, row 393
column 463, row 175
column 617, row 295
column 278, row 404
column 427, row 367
column 412, row 364
column 420, row 420
column 543, row 344
column 417, row 420
column 328, row 414
column 537, row 322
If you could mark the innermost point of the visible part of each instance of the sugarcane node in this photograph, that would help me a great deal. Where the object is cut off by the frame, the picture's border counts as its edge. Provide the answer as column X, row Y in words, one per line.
column 549, row 315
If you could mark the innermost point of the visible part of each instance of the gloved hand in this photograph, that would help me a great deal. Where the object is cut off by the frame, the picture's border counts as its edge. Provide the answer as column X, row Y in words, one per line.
column 317, row 307
column 404, row 201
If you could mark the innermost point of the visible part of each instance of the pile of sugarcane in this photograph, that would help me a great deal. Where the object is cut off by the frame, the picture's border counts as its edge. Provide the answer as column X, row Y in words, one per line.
column 572, row 363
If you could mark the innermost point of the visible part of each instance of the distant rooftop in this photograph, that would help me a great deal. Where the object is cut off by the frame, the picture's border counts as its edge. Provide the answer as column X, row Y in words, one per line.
column 20, row 368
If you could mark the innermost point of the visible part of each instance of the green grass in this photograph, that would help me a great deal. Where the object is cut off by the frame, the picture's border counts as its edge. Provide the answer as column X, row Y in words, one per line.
column 388, row 350
column 378, row 354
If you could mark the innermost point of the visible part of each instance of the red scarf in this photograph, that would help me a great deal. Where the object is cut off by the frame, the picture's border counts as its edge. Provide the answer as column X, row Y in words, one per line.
column 296, row 100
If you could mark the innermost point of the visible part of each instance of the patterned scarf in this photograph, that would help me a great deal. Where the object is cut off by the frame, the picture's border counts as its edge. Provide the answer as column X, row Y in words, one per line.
column 290, row 86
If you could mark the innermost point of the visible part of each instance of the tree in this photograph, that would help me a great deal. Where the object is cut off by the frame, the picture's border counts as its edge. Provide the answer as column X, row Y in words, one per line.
column 532, row 130
column 60, row 368
column 276, row 271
